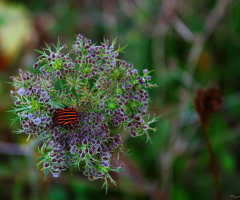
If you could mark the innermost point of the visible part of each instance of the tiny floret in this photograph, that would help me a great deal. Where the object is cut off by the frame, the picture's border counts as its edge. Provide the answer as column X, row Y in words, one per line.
column 21, row 91
column 145, row 71
column 37, row 121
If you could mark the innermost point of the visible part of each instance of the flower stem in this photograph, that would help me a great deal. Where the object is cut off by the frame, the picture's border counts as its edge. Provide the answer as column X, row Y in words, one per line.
column 213, row 163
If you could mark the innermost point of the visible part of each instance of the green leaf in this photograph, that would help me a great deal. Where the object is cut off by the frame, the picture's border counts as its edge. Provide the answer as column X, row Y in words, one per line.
column 15, row 99
column 46, row 173
column 15, row 120
column 17, row 109
column 48, row 47
column 106, row 185
column 11, row 83
column 114, row 41
column 37, row 150
column 40, row 52
column 40, row 158
column 58, row 44
column 121, row 49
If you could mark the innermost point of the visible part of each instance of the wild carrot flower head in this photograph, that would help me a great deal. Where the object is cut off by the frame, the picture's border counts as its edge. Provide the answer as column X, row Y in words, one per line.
column 75, row 103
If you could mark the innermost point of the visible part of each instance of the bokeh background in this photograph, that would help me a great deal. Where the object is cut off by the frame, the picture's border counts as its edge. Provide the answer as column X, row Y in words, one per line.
column 189, row 44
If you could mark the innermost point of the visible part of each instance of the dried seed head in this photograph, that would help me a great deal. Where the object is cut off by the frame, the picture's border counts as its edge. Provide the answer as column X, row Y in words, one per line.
column 207, row 102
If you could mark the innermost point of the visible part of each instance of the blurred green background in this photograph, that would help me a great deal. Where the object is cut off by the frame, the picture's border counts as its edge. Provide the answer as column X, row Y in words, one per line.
column 189, row 44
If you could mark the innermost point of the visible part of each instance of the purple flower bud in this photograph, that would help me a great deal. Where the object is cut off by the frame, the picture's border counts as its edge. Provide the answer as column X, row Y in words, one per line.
column 52, row 155
column 41, row 69
column 51, row 144
column 58, row 73
column 148, row 78
column 115, row 145
column 141, row 81
column 79, row 37
column 43, row 94
column 43, row 119
column 72, row 151
column 37, row 121
column 104, row 158
column 84, row 142
column 20, row 71
column 105, row 164
column 71, row 65
column 17, row 102
column 24, row 116
column 145, row 127
column 26, row 131
column 55, row 175
column 111, row 48
column 21, row 91
column 12, row 93
column 134, row 71
column 145, row 71
column 35, row 66
column 40, row 100
column 133, row 134
column 47, row 99
column 80, row 151
column 130, row 85
column 99, row 149
column 83, row 155
column 46, row 165
column 137, row 117
column 28, row 93
column 37, row 112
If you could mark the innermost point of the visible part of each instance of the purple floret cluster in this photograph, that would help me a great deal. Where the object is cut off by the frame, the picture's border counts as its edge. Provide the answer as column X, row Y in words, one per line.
column 107, row 93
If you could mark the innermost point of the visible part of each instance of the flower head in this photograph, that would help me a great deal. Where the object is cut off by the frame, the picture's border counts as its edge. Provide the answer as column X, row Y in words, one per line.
column 76, row 101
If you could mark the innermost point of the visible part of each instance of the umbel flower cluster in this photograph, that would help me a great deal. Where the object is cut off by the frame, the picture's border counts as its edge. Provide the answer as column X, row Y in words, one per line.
column 77, row 102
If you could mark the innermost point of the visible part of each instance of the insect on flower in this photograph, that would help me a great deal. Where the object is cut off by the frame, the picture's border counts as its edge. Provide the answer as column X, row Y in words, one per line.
column 66, row 116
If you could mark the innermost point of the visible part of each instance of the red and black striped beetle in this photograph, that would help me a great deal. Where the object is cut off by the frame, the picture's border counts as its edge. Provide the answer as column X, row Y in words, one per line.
column 66, row 116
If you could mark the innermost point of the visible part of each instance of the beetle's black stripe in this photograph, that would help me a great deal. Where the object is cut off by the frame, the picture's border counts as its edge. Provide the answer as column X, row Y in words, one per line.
column 66, row 117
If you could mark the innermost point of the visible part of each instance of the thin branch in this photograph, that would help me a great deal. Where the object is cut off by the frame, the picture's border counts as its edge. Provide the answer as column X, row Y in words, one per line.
column 214, row 17
column 13, row 149
column 199, row 41
column 18, row 149
column 213, row 163
column 182, row 29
